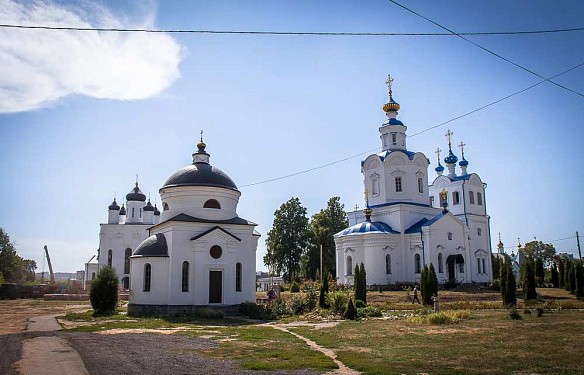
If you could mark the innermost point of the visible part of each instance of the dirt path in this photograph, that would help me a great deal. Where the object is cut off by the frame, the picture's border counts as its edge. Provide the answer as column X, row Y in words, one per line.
column 342, row 370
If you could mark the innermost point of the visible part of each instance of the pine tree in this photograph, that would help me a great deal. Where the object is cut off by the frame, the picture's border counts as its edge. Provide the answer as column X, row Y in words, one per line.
column 567, row 273
column 433, row 279
column 555, row 276
column 426, row 286
column 510, row 296
column 539, row 271
column 529, row 280
column 503, row 278
column 324, row 289
column 356, row 282
column 572, row 277
column 351, row 311
column 579, row 279
column 363, row 280
column 562, row 273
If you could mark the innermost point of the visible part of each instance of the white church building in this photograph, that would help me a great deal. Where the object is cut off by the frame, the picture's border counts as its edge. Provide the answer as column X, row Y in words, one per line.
column 409, row 223
column 197, row 252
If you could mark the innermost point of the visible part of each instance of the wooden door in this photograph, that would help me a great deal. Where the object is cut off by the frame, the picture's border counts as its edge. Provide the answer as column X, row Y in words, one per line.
column 215, row 286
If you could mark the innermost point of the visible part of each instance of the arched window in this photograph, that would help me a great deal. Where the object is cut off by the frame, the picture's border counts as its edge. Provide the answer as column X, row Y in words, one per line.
column 212, row 203
column 140, row 212
column 374, row 184
column 147, row 277
column 132, row 211
column 450, row 235
column 164, row 206
column 93, row 276
column 479, row 199
column 126, row 283
column 417, row 263
column 455, row 198
column 216, row 251
column 127, row 255
column 479, row 264
column 471, row 197
column 398, row 184
column 109, row 258
column 185, row 276
column 420, row 185
column 479, row 231
column 238, row 277
column 440, row 263
column 349, row 265
column 387, row 264
column 484, row 261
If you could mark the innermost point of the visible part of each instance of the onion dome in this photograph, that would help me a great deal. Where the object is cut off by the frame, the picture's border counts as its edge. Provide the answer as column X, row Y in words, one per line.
column 439, row 168
column 367, row 227
column 123, row 210
column 200, row 173
column 463, row 162
column 114, row 206
column 451, row 158
column 136, row 195
column 391, row 106
column 149, row 206
column 153, row 246
column 156, row 211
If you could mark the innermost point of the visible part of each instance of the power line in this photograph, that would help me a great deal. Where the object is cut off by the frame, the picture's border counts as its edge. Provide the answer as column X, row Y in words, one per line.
column 291, row 33
column 485, row 49
column 415, row 134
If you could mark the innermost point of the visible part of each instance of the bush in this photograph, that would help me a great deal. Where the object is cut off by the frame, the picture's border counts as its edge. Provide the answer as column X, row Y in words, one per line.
column 324, row 290
column 495, row 285
column 209, row 313
column 513, row 314
column 104, row 292
column 254, row 311
column 369, row 312
column 294, row 288
column 359, row 304
column 443, row 317
column 311, row 298
column 351, row 312
column 337, row 301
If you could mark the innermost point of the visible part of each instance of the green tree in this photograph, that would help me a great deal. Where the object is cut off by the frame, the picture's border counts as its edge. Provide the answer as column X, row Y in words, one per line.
column 579, row 279
column 503, row 278
column 529, row 280
column 351, row 311
column 561, row 272
column 287, row 240
column 539, row 272
column 104, row 292
column 555, row 276
column 360, row 283
column 323, row 226
column 324, row 289
column 495, row 266
column 13, row 267
column 425, row 286
column 433, row 280
column 540, row 250
column 572, row 276
column 1, row 278
column 511, row 284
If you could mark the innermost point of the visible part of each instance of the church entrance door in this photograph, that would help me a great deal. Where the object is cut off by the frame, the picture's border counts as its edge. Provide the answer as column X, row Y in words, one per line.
column 451, row 274
column 215, row 286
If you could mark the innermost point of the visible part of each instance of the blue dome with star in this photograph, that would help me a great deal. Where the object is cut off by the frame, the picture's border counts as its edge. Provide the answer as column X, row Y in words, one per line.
column 439, row 168
column 451, row 158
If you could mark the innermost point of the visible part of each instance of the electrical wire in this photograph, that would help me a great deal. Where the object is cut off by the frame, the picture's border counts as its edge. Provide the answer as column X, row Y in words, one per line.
column 415, row 134
column 485, row 49
column 289, row 33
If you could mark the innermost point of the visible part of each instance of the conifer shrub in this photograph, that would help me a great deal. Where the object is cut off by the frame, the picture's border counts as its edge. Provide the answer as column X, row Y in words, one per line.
column 561, row 273
column 555, row 276
column 572, row 276
column 360, row 283
column 579, row 278
column 529, row 280
column 294, row 288
column 324, row 290
column 350, row 311
column 104, row 292
column 359, row 304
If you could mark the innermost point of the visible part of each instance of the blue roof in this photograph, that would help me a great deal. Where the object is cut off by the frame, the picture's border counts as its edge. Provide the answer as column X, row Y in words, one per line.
column 367, row 227
column 439, row 168
column 394, row 203
column 384, row 154
column 393, row 121
column 460, row 178
column 417, row 227
column 463, row 162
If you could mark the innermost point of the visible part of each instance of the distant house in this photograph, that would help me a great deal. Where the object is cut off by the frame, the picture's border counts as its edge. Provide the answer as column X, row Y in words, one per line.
column 266, row 283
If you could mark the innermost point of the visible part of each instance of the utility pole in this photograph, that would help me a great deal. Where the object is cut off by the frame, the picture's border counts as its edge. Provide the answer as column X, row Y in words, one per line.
column 321, row 263
column 578, row 242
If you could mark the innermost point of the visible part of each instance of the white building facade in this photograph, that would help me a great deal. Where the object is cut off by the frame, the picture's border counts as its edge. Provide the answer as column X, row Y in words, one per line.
column 200, row 253
column 409, row 223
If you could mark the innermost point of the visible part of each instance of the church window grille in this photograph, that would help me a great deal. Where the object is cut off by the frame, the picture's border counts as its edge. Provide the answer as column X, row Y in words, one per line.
column 109, row 258
column 238, row 277
column 147, row 276
column 471, row 197
column 127, row 255
column 417, row 263
column 387, row 264
column 216, row 251
column 440, row 263
column 398, row 184
column 212, row 203
column 420, row 185
column 450, row 235
column 484, row 261
column 479, row 199
column 349, row 265
column 394, row 139
column 479, row 231
column 432, row 201
column 461, row 267
column 455, row 198
column 185, row 276
column 374, row 184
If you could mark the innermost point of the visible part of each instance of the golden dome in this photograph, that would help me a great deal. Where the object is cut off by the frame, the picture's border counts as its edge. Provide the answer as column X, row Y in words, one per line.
column 391, row 105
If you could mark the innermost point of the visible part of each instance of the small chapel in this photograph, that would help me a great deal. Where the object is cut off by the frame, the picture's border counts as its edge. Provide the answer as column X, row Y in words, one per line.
column 196, row 252
column 408, row 222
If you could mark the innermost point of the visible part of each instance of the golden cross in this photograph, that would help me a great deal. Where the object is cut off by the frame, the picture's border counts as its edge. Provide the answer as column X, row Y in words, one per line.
column 461, row 145
column 449, row 135
column 389, row 83
column 201, row 135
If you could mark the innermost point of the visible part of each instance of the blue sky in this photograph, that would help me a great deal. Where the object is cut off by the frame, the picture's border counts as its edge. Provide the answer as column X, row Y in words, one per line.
column 81, row 113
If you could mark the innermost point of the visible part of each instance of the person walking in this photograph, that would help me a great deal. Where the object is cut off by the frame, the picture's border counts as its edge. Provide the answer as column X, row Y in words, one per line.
column 416, row 299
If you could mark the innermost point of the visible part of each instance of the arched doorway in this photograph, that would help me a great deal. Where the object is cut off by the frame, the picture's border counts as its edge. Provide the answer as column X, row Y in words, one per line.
column 454, row 263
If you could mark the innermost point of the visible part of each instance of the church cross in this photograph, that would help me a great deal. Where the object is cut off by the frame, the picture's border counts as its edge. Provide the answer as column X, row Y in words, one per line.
column 367, row 197
column 449, row 135
column 389, row 82
column 201, row 135
column 461, row 145
column 438, row 151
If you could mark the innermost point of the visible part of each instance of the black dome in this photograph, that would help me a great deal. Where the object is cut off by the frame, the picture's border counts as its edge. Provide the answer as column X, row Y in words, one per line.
column 123, row 210
column 136, row 195
column 114, row 206
column 200, row 174
column 149, row 206
column 153, row 246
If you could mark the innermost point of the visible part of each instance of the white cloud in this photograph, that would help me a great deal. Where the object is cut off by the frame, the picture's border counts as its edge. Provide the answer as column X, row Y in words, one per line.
column 39, row 67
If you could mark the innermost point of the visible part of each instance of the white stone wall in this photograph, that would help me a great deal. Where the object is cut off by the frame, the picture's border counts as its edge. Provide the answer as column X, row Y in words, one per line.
column 119, row 237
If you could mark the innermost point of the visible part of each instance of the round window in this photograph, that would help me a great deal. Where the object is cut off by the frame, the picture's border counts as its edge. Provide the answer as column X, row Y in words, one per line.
column 216, row 251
